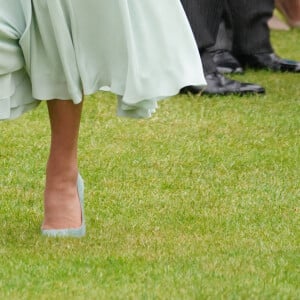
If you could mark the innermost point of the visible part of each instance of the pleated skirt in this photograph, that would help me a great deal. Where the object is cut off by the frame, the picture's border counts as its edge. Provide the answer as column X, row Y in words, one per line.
column 141, row 50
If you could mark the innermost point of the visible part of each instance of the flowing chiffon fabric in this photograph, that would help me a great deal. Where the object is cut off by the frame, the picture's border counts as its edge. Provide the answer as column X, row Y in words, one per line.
column 141, row 50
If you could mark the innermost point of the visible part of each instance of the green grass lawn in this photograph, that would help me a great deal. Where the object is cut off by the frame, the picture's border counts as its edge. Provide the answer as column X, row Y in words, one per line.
column 199, row 202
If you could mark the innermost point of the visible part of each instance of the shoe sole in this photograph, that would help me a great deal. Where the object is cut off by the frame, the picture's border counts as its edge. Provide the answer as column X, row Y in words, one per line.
column 239, row 93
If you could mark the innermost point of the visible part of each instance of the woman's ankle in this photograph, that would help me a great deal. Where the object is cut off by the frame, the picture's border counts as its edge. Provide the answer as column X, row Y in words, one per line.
column 61, row 202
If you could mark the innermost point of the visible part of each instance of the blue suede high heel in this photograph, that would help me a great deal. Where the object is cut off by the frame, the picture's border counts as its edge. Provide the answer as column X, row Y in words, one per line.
column 71, row 232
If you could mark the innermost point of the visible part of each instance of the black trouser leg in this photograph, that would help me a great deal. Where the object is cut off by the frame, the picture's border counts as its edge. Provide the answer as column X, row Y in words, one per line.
column 205, row 17
column 251, row 34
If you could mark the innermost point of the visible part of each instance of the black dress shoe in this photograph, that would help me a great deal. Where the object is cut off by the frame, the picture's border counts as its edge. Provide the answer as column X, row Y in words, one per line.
column 217, row 84
column 192, row 89
column 269, row 61
column 226, row 62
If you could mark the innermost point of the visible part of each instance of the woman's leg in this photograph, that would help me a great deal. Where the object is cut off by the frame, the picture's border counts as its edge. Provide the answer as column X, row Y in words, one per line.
column 291, row 10
column 61, row 202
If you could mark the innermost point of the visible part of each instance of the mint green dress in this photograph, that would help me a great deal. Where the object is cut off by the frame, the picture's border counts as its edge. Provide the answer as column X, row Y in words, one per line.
column 141, row 50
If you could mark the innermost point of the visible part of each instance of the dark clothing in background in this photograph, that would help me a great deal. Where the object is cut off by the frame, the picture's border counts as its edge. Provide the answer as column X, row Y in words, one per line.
column 248, row 21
